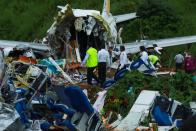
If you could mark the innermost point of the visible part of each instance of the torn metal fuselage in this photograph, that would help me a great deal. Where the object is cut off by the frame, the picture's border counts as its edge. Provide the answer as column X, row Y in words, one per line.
column 73, row 30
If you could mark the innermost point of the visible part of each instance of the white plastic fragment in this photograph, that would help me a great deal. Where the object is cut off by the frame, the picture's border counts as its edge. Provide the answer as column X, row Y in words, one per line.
column 61, row 70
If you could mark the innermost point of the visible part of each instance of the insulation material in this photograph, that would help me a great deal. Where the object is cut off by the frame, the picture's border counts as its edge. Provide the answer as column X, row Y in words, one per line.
column 79, row 24
column 90, row 25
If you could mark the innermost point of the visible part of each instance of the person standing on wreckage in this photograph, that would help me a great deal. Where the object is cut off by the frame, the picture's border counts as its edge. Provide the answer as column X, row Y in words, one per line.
column 144, row 55
column 123, row 61
column 91, row 61
column 103, row 61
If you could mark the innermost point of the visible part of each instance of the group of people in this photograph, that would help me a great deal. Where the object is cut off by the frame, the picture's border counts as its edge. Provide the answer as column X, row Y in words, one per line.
column 103, row 60
column 186, row 60
column 151, row 55
column 93, row 59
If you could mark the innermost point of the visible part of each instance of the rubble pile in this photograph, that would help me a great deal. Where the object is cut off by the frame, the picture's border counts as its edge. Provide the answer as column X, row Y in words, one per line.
column 52, row 94
column 35, row 81
column 43, row 94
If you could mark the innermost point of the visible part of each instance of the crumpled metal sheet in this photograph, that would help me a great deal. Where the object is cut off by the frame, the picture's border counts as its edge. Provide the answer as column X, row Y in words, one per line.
column 8, row 116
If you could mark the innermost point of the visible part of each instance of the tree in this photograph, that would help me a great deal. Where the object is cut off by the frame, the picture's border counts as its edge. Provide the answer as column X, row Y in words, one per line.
column 158, row 19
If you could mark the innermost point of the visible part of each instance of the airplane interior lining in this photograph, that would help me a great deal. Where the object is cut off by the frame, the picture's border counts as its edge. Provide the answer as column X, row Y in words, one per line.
column 76, row 32
column 82, row 37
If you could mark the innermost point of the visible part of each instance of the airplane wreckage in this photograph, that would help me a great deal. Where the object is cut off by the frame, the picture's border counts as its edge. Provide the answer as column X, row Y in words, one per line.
column 41, row 94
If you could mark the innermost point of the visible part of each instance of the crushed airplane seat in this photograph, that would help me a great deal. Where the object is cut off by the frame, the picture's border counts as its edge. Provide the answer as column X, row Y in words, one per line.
column 74, row 113
column 24, row 97
column 86, row 117
column 168, row 112
column 142, row 67
column 161, row 117
column 120, row 74
column 53, row 112
column 108, row 83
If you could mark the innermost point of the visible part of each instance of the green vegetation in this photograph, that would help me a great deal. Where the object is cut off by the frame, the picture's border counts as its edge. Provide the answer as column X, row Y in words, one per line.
column 27, row 20
column 123, row 94
column 157, row 19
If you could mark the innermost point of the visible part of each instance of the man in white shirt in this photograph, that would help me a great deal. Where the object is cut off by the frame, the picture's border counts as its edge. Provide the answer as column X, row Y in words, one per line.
column 112, row 56
column 123, row 58
column 103, row 61
column 144, row 55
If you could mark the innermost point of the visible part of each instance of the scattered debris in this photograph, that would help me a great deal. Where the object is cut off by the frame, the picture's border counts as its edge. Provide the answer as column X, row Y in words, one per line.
column 43, row 85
